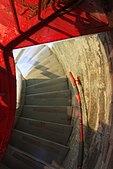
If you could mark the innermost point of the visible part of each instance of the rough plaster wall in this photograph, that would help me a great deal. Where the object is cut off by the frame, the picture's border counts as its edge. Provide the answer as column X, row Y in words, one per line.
column 90, row 57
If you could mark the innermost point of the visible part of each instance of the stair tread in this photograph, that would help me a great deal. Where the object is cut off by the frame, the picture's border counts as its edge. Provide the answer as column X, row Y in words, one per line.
column 24, row 52
column 14, row 156
column 45, row 66
column 61, row 107
column 48, row 130
column 57, row 98
column 32, row 81
column 43, row 54
column 46, row 89
column 46, row 63
column 25, row 67
column 35, row 120
column 43, row 149
column 48, row 81
column 39, row 138
column 55, row 92
column 50, row 73
column 56, row 114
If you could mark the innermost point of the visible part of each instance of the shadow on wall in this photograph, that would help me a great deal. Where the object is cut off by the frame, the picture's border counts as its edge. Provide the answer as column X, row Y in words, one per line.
column 45, row 72
column 107, row 148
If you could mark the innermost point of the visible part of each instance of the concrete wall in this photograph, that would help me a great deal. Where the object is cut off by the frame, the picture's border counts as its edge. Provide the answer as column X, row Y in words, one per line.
column 90, row 58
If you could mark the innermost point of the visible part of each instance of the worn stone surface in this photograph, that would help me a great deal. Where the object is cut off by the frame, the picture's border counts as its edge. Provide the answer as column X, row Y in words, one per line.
column 91, row 58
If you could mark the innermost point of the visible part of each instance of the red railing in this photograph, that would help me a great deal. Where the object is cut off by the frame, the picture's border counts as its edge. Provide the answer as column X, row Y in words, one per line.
column 75, row 83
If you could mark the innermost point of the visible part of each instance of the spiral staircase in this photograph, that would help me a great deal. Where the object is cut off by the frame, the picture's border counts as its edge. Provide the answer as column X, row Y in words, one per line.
column 42, row 127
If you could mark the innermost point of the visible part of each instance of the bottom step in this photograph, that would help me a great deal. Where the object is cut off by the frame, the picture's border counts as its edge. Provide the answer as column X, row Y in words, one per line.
column 42, row 149
column 16, row 159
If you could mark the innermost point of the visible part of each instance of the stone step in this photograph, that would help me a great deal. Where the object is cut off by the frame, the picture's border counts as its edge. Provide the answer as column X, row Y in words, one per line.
column 25, row 54
column 30, row 82
column 42, row 149
column 51, row 131
column 49, row 86
column 17, row 159
column 2, row 166
column 42, row 55
column 56, row 114
column 57, row 98
column 43, row 76
column 46, row 64
column 52, row 72
column 26, row 64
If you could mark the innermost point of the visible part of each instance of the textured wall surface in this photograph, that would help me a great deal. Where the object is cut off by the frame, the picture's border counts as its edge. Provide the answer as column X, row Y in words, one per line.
column 90, row 58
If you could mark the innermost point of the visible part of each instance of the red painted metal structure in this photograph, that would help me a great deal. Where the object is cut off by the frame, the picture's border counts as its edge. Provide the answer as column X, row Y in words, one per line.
column 51, row 24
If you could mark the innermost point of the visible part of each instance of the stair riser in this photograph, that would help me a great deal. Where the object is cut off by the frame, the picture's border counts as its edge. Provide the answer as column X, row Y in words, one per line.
column 35, row 100
column 42, row 149
column 41, row 78
column 50, row 82
column 52, row 114
column 15, row 160
column 30, row 82
column 42, row 55
column 27, row 63
column 46, row 64
column 49, row 88
column 25, row 55
column 50, row 131
column 54, row 72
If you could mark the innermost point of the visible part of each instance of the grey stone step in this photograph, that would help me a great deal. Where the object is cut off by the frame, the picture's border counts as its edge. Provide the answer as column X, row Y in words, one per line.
column 59, row 114
column 2, row 166
column 30, row 82
column 26, row 63
column 42, row 55
column 42, row 149
column 25, row 54
column 48, row 86
column 57, row 98
column 51, row 131
column 17, row 159
column 46, row 64
column 43, row 77
column 47, row 60
column 52, row 72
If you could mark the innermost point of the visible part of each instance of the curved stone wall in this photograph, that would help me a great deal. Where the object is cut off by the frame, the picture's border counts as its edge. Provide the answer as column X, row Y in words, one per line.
column 90, row 58
column 21, row 87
